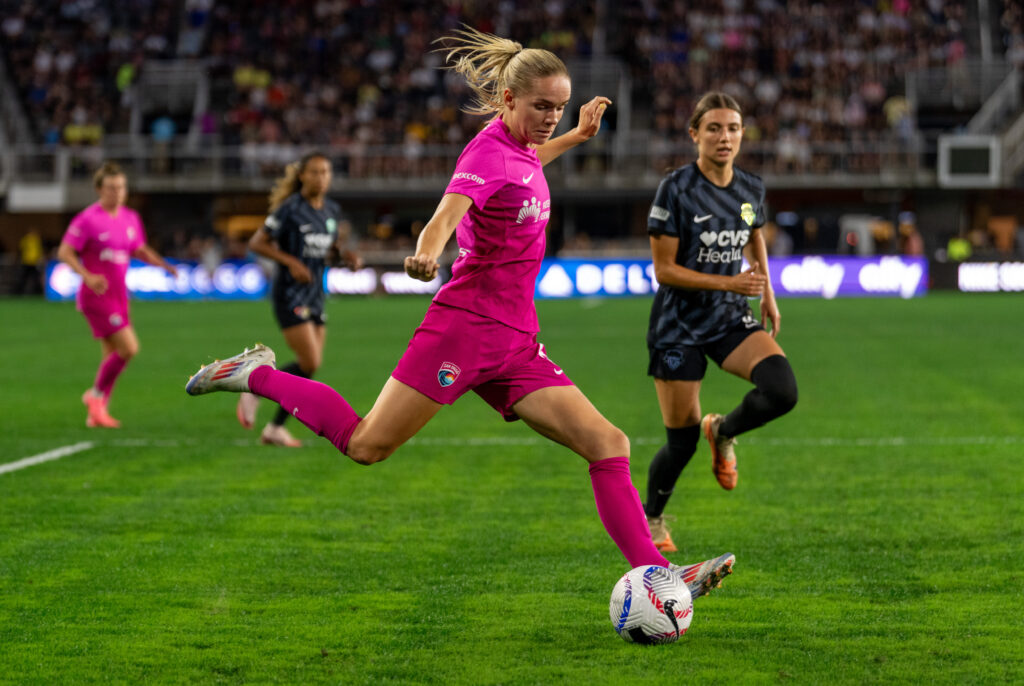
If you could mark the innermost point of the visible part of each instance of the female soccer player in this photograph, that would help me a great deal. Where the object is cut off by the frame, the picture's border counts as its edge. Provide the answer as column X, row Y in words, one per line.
column 480, row 332
column 298, row 235
column 706, row 216
column 99, row 245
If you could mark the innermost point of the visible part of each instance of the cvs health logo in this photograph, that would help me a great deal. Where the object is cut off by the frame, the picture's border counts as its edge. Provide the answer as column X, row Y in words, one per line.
column 722, row 246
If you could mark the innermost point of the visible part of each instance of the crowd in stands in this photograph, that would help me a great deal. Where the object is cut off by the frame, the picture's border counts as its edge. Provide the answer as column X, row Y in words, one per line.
column 355, row 74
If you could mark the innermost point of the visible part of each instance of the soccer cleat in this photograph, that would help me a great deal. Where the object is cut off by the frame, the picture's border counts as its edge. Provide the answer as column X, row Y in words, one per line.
column 723, row 452
column 702, row 577
column 660, row 534
column 97, row 415
column 275, row 434
column 231, row 374
column 246, row 409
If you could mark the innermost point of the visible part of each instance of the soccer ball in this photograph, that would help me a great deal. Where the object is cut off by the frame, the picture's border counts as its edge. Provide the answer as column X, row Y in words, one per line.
column 651, row 604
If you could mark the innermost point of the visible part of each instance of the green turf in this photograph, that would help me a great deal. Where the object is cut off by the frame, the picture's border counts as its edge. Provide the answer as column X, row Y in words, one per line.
column 877, row 528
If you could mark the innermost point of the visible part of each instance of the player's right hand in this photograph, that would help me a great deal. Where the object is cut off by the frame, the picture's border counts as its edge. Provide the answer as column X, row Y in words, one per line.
column 421, row 266
column 749, row 283
column 300, row 272
column 97, row 283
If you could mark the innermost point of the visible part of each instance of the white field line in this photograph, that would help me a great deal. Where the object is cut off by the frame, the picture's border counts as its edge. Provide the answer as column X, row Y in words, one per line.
column 483, row 441
column 54, row 454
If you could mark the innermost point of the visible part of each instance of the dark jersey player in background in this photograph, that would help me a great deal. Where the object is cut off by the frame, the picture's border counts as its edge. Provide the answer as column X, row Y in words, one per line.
column 705, row 219
column 303, row 227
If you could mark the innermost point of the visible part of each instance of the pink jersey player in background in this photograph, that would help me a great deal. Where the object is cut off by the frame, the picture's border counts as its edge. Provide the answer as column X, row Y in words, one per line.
column 99, row 245
column 480, row 332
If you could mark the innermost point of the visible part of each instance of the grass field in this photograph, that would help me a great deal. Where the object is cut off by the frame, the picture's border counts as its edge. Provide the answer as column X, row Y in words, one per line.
column 877, row 528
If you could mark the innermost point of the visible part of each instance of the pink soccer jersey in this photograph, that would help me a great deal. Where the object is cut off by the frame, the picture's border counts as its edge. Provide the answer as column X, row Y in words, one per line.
column 501, row 239
column 105, row 244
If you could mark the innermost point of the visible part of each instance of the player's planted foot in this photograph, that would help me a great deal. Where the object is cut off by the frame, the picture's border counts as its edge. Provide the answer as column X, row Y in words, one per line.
column 246, row 409
column 231, row 374
column 723, row 451
column 275, row 434
column 702, row 577
column 97, row 415
column 660, row 535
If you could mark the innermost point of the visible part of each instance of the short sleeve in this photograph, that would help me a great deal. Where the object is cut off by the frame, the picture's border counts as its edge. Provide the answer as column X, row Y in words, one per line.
column 662, row 219
column 761, row 217
column 78, row 234
column 480, row 171
column 275, row 222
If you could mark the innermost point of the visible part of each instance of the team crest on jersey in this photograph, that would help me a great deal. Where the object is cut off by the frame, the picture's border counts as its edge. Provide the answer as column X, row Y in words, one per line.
column 747, row 213
column 447, row 374
column 116, row 320
column 673, row 359
column 332, row 225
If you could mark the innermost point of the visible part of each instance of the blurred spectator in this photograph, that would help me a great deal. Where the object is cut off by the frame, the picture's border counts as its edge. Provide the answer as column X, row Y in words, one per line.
column 30, row 252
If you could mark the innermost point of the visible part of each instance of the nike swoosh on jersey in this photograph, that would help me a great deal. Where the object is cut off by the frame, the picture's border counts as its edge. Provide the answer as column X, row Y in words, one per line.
column 700, row 220
column 526, row 179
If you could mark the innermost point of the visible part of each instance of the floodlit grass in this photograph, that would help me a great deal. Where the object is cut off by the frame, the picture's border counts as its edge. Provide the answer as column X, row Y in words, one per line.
column 877, row 528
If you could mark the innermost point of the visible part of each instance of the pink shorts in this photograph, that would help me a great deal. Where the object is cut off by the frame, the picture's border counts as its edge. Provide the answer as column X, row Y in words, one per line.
column 106, row 322
column 454, row 351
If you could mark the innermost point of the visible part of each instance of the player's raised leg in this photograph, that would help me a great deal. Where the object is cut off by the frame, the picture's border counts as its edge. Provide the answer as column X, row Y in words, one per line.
column 398, row 413
column 758, row 359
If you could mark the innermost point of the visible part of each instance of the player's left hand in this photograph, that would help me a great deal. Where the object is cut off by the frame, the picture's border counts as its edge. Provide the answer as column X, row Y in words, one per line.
column 590, row 117
column 770, row 313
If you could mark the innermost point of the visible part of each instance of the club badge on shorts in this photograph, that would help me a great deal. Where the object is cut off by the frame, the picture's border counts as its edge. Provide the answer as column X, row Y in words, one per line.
column 673, row 359
column 447, row 374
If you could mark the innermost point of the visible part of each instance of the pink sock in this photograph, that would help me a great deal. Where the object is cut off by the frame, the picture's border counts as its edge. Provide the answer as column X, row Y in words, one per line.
column 107, row 374
column 315, row 404
column 618, row 505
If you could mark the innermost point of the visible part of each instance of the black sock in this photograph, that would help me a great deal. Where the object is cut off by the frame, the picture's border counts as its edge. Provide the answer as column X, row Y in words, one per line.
column 667, row 465
column 283, row 414
column 774, row 395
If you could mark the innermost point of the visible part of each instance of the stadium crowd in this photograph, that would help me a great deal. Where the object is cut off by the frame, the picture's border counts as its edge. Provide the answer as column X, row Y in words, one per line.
column 361, row 74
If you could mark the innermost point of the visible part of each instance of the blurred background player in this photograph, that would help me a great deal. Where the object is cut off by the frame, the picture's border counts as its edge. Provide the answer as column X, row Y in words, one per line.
column 98, row 246
column 303, row 227
column 705, row 218
column 480, row 332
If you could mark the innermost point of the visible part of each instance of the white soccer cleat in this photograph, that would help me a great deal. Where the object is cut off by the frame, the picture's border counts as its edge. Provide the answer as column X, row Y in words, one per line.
column 231, row 374
column 704, row 576
column 275, row 434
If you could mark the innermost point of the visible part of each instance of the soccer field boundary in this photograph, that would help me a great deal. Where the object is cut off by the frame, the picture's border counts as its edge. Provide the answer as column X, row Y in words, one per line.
column 48, row 456
column 527, row 441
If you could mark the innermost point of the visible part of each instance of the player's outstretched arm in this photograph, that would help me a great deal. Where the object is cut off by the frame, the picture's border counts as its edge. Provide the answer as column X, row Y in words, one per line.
column 151, row 256
column 589, row 125
column 429, row 246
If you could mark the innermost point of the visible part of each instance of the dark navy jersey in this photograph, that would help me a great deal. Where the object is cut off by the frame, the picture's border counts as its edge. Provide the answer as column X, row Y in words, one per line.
column 308, row 234
column 713, row 225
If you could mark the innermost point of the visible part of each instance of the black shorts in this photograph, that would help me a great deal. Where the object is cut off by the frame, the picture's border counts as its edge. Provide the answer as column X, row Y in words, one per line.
column 293, row 315
column 689, row 362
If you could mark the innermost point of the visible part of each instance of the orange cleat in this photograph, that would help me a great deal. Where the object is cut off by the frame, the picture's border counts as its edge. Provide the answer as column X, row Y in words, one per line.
column 97, row 412
column 660, row 535
column 723, row 453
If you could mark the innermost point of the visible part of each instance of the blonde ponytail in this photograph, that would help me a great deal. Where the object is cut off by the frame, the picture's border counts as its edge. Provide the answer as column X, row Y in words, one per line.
column 290, row 182
column 491, row 64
